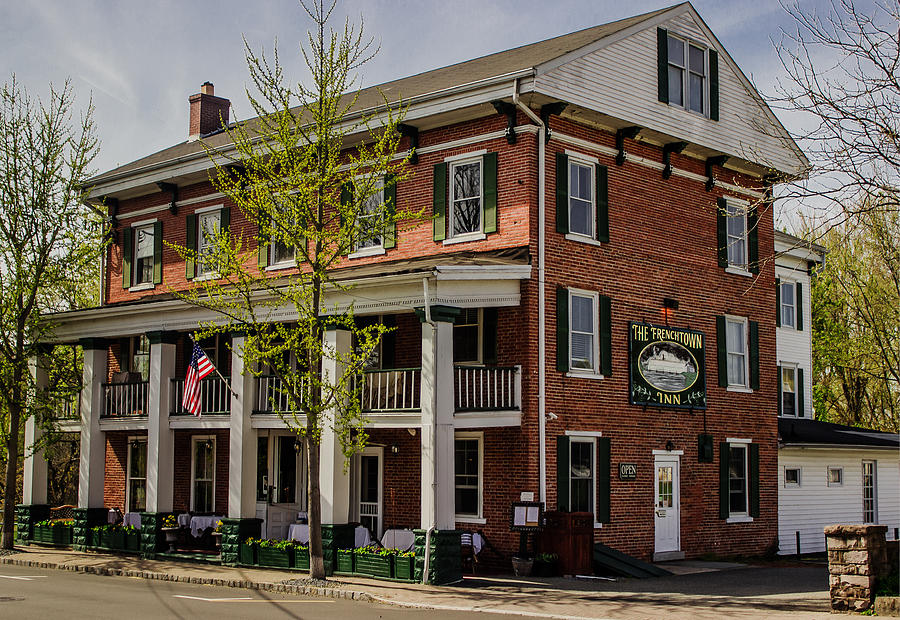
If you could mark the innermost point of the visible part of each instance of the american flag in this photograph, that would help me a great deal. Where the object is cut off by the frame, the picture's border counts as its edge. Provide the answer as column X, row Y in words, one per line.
column 199, row 367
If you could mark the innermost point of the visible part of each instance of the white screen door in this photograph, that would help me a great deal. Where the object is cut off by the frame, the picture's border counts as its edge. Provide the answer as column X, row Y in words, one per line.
column 667, row 509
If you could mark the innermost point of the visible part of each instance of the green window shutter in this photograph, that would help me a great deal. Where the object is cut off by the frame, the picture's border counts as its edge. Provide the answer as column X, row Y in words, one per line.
column 753, row 240
column 777, row 302
column 779, row 391
column 127, row 255
column 562, row 329
column 662, row 64
column 605, row 336
column 190, row 227
column 601, row 182
column 800, row 386
column 346, row 199
column 724, row 480
column 490, row 192
column 262, row 239
column 439, row 200
column 722, row 231
column 713, row 85
column 754, row 355
column 157, row 253
column 753, row 482
column 562, row 473
column 562, row 193
column 603, row 475
column 489, row 336
column 798, row 296
column 722, row 351
column 225, row 219
column 390, row 204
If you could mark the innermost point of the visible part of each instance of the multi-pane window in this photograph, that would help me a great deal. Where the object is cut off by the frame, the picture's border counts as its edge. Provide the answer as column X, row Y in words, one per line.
column 282, row 252
column 737, row 480
column 792, row 476
column 687, row 75
column 870, row 499
column 736, row 342
column 835, row 476
column 788, row 304
column 143, row 255
column 203, row 475
column 468, row 476
column 140, row 356
column 581, row 474
column 208, row 227
column 581, row 198
column 467, row 337
column 736, row 217
column 465, row 198
column 137, row 476
column 789, row 391
column 583, row 332
column 371, row 226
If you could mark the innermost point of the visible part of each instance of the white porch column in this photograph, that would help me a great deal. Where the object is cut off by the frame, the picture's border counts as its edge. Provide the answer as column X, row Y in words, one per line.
column 438, row 501
column 241, row 437
column 34, row 476
column 93, row 444
column 160, row 438
column 334, row 484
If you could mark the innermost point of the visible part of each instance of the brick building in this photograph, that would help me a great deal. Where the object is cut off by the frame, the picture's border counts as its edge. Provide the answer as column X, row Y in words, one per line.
column 601, row 334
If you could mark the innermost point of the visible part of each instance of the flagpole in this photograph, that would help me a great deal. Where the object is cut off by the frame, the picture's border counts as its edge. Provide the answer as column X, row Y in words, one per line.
column 224, row 380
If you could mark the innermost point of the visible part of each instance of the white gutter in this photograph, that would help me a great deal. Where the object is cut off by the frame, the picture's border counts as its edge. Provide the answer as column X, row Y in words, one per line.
column 542, row 336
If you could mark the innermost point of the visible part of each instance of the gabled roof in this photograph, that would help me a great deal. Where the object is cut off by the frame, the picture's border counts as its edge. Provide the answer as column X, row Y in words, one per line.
column 799, row 431
column 434, row 81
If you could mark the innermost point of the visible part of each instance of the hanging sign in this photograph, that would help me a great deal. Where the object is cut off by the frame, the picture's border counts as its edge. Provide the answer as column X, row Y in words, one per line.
column 666, row 366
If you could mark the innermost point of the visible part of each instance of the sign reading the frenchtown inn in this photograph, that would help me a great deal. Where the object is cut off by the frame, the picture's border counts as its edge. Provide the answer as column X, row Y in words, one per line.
column 666, row 366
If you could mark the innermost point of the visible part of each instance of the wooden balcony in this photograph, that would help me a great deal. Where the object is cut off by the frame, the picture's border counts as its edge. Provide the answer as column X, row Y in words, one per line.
column 215, row 397
column 125, row 400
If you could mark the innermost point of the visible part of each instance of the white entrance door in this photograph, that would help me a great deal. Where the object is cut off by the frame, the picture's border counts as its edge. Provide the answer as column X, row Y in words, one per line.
column 667, row 508
column 282, row 462
column 369, row 505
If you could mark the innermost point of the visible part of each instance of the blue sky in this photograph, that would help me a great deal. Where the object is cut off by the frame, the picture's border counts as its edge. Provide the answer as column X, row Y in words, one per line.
column 140, row 60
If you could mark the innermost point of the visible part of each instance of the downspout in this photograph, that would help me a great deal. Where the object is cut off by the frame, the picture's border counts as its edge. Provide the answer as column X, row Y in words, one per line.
column 542, row 335
column 431, row 526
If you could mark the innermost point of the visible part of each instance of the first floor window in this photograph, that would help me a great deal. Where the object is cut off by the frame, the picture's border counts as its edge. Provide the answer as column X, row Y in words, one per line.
column 736, row 342
column 835, row 476
column 137, row 475
column 788, row 391
column 792, row 476
column 581, row 198
column 737, row 480
column 583, row 332
column 468, row 475
column 870, row 499
column 465, row 198
column 203, row 475
column 143, row 255
column 208, row 227
column 581, row 474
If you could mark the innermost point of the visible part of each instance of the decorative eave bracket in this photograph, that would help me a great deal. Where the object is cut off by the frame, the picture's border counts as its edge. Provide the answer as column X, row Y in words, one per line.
column 172, row 189
column 408, row 131
column 548, row 110
column 625, row 132
column 718, row 160
column 508, row 110
column 668, row 149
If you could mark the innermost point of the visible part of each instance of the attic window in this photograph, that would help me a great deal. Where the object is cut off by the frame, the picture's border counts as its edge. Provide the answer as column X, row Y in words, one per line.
column 688, row 74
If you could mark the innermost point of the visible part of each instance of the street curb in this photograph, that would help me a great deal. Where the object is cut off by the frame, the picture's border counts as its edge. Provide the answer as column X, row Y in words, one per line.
column 264, row 586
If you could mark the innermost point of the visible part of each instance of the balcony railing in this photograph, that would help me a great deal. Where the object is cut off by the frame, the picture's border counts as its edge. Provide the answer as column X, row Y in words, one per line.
column 125, row 400
column 271, row 396
column 394, row 389
column 495, row 388
column 215, row 398
column 68, row 403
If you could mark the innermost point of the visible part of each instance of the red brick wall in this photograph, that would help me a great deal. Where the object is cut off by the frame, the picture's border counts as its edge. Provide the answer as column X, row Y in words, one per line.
column 182, row 476
column 115, row 468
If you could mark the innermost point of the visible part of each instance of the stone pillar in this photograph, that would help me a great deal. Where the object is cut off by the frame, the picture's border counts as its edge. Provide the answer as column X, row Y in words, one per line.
column 857, row 557
column 93, row 444
column 160, row 438
column 34, row 474
column 241, row 437
column 438, row 500
column 334, row 484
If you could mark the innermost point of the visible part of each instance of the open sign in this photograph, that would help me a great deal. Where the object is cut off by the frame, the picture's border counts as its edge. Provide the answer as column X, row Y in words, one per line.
column 627, row 471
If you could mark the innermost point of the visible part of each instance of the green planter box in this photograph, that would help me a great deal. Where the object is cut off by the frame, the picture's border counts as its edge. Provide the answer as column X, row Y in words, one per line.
column 345, row 561
column 301, row 559
column 276, row 558
column 110, row 539
column 132, row 541
column 247, row 554
column 375, row 565
column 56, row 535
column 404, row 567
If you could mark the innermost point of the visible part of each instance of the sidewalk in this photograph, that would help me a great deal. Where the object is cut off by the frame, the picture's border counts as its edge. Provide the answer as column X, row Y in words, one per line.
column 701, row 590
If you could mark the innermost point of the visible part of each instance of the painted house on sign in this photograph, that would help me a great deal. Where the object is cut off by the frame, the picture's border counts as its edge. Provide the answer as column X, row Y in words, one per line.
column 567, row 210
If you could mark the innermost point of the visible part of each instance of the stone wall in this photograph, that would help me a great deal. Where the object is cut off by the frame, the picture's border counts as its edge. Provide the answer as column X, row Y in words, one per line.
column 857, row 557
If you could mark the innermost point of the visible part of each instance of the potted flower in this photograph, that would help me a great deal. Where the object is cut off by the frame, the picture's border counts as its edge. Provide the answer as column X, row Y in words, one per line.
column 375, row 561
column 275, row 553
column 217, row 536
column 345, row 561
column 404, row 565
column 170, row 529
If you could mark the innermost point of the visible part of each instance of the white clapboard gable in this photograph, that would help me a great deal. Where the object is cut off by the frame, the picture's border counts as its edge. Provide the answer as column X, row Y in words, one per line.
column 617, row 76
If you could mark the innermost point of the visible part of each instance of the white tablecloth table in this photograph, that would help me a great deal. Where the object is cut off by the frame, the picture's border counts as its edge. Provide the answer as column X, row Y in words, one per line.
column 199, row 524
column 299, row 532
column 473, row 538
column 133, row 519
column 404, row 540
column 361, row 537
column 184, row 519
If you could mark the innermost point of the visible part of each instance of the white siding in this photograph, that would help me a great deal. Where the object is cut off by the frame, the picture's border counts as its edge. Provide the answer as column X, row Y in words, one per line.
column 620, row 80
column 814, row 505
column 794, row 347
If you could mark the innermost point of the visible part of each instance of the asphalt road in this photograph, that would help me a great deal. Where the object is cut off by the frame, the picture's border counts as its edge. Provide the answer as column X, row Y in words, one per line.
column 44, row 594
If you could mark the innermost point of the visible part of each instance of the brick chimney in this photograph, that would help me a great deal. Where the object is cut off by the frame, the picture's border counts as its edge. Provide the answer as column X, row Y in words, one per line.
column 208, row 112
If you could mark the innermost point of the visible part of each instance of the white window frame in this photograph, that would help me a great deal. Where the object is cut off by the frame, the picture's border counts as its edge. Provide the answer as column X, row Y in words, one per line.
column 740, row 516
column 135, row 228
column 453, row 163
column 594, row 371
column 686, row 71
column 371, row 250
column 577, row 160
column 799, row 471
column 734, row 207
column 797, row 388
column 468, row 518
column 280, row 264
column 874, row 465
column 828, row 480
column 587, row 437
column 202, row 272
column 783, row 305
column 739, row 387
column 132, row 439
column 195, row 439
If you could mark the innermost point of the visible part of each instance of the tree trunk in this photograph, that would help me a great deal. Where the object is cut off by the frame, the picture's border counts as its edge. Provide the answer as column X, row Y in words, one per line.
column 314, row 505
column 12, row 465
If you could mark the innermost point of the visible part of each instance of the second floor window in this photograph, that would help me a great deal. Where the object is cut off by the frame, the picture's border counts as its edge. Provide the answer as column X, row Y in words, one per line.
column 583, row 333
column 581, row 199
column 736, row 339
column 465, row 198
